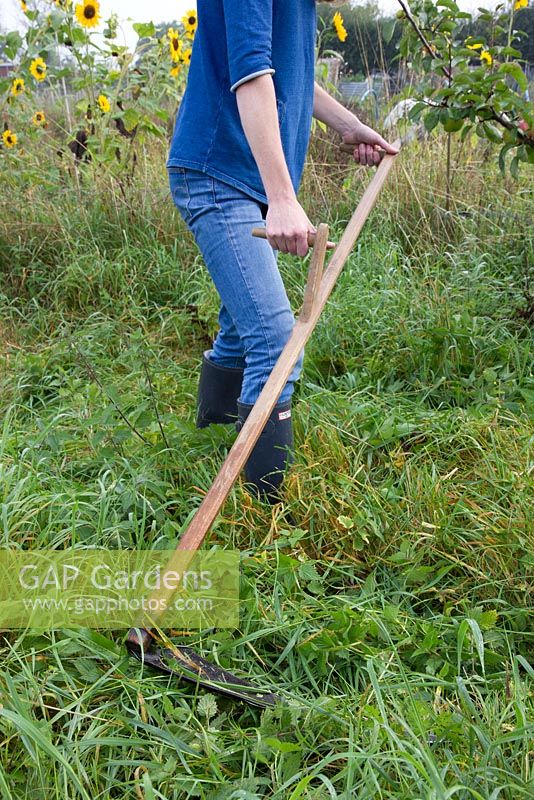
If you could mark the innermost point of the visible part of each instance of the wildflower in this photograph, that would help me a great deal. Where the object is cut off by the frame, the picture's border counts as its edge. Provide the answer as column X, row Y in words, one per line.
column 337, row 22
column 39, row 119
column 175, row 71
column 520, row 4
column 175, row 44
column 38, row 69
column 186, row 56
column 190, row 23
column 17, row 87
column 104, row 104
column 486, row 57
column 88, row 13
column 10, row 138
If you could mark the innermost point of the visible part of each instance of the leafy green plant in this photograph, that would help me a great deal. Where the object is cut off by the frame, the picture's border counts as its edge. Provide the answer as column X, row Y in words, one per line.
column 101, row 87
column 471, row 83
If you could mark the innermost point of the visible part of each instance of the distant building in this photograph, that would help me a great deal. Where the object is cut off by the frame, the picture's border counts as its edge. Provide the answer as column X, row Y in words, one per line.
column 332, row 67
column 6, row 69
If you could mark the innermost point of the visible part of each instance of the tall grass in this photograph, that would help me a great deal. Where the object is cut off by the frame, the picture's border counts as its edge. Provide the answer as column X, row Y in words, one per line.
column 395, row 615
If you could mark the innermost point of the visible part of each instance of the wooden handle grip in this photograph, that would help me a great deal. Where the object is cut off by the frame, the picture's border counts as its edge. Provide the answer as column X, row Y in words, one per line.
column 315, row 272
column 260, row 233
column 347, row 148
column 350, row 148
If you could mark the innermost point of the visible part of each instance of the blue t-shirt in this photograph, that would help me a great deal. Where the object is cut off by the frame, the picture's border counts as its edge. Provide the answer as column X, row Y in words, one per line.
column 238, row 40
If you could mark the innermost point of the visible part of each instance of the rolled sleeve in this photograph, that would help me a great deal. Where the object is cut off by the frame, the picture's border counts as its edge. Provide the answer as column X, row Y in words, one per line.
column 249, row 39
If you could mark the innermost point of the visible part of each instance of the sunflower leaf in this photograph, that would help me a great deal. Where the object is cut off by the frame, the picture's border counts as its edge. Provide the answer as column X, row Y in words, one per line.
column 144, row 29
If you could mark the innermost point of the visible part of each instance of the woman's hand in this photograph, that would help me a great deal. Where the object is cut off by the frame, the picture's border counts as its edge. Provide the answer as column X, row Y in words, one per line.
column 287, row 226
column 369, row 146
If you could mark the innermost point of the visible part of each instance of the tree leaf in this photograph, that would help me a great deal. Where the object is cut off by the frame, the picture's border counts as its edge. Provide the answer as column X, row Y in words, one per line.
column 492, row 132
column 431, row 120
column 512, row 68
column 453, row 125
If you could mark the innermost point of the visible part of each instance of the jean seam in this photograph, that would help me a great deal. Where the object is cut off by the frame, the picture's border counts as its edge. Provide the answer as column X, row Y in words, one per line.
column 188, row 196
column 241, row 357
column 243, row 273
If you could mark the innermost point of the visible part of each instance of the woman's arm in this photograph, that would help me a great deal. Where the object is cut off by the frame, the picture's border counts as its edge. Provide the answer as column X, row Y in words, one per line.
column 287, row 223
column 366, row 141
column 249, row 46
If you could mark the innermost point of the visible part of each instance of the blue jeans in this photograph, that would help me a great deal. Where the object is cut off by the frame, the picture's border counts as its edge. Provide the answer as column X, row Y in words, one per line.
column 255, row 317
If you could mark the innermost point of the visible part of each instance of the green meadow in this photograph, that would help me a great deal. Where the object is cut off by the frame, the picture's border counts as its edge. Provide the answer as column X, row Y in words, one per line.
column 388, row 599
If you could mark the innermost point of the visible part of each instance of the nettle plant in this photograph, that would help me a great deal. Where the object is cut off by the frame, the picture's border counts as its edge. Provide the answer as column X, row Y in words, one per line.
column 89, row 82
column 471, row 81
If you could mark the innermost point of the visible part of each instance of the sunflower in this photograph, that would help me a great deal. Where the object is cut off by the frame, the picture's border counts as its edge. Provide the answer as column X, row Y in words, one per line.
column 88, row 13
column 38, row 69
column 104, row 104
column 175, row 45
column 186, row 56
column 190, row 23
column 9, row 138
column 39, row 119
column 175, row 71
column 476, row 46
column 17, row 87
column 24, row 5
column 486, row 57
column 337, row 22
column 520, row 4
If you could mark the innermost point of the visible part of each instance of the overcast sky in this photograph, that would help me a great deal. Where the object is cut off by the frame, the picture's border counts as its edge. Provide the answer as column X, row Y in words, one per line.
column 164, row 11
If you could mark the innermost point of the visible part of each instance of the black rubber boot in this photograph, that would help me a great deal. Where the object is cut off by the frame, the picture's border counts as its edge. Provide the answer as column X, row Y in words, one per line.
column 218, row 390
column 272, row 453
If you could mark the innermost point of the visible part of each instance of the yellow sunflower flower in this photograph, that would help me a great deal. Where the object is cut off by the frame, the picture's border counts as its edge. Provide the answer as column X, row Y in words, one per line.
column 175, row 45
column 477, row 46
column 175, row 71
column 24, row 5
column 105, row 105
column 38, row 69
column 520, row 4
column 339, row 27
column 88, row 13
column 17, row 87
column 39, row 119
column 486, row 57
column 186, row 56
column 9, row 138
column 190, row 23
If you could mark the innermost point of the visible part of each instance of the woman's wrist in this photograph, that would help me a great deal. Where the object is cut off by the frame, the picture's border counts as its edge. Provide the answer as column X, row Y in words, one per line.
column 327, row 109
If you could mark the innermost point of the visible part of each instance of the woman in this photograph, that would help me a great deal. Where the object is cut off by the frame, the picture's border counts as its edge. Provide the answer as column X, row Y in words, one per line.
column 236, row 159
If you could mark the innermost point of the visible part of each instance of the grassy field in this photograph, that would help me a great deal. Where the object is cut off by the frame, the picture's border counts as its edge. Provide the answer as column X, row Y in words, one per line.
column 395, row 619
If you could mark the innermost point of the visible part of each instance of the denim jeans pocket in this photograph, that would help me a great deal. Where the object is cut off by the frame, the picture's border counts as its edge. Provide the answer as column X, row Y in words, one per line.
column 200, row 190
